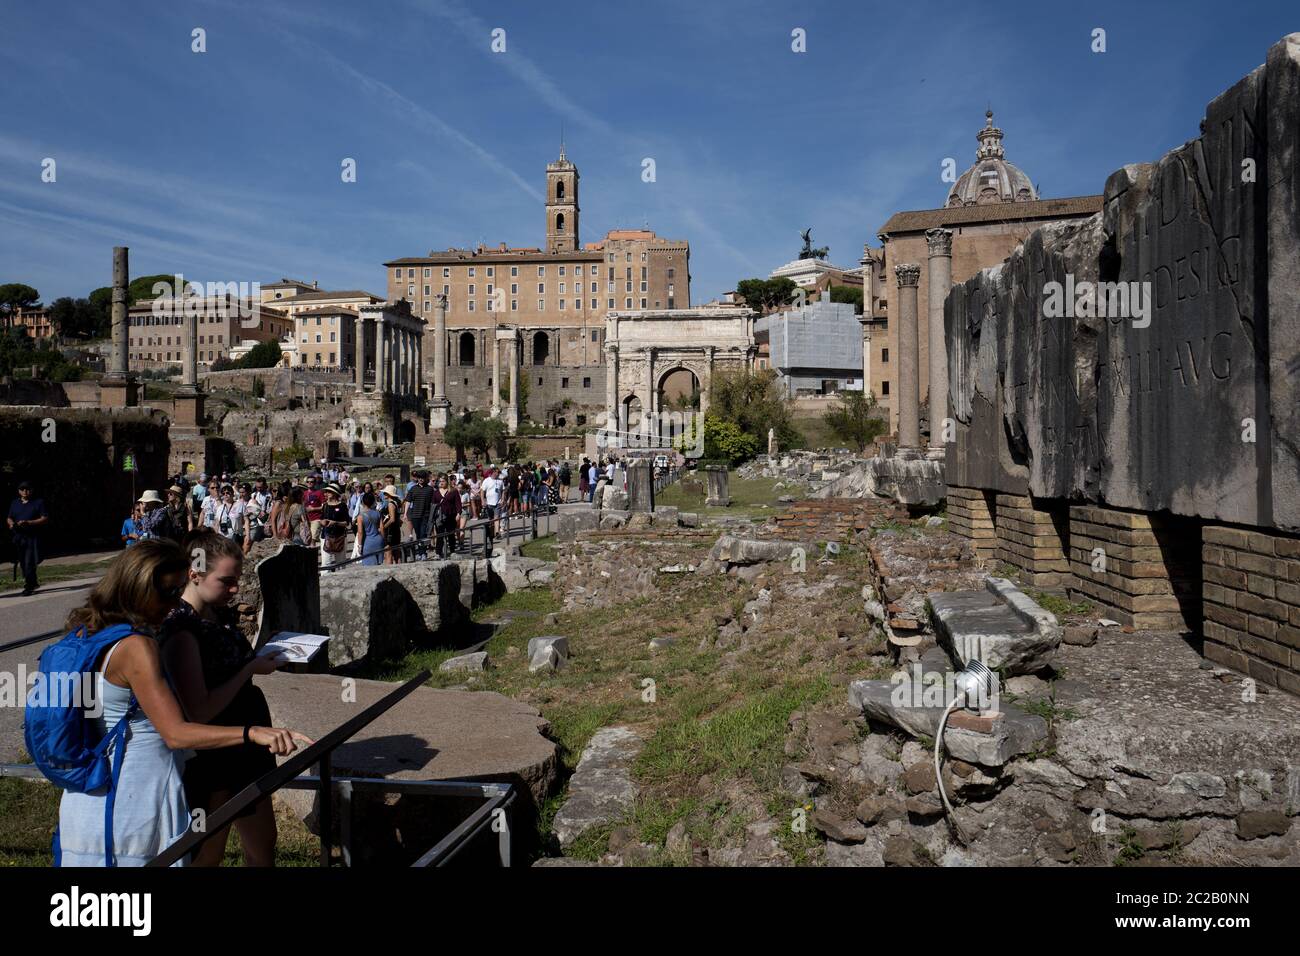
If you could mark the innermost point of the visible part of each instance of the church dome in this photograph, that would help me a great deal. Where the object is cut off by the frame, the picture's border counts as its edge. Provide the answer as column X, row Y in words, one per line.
column 992, row 179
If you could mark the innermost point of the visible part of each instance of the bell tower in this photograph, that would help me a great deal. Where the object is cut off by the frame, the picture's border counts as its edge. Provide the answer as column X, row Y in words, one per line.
column 561, row 205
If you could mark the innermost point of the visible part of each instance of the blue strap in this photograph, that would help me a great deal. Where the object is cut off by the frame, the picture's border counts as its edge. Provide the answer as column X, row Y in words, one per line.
column 117, row 739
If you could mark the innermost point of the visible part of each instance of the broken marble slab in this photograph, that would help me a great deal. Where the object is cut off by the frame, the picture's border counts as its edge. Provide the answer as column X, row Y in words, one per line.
column 989, row 741
column 601, row 789
column 1001, row 626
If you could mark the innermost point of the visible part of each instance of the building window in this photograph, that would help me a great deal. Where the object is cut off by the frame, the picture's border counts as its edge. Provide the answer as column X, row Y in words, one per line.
column 670, row 302
column 541, row 270
column 333, row 338
column 331, row 358
column 561, row 305
column 629, row 257
column 541, row 288
column 446, row 290
column 410, row 290
column 670, row 273
column 561, row 270
column 610, row 306
column 471, row 305
column 471, row 270
column 562, row 284
column 577, row 270
column 884, row 388
column 884, row 356
column 541, row 305
column 410, row 273
column 491, row 271
column 426, row 305
column 540, row 380
column 643, row 287
column 514, row 270
column 627, row 304
column 594, row 304
column 586, row 383
column 643, row 303
column 594, row 290
column 427, row 270
column 627, row 287
column 427, row 287
column 564, row 383
column 514, row 288
column 471, row 288
column 514, row 305
column 446, row 273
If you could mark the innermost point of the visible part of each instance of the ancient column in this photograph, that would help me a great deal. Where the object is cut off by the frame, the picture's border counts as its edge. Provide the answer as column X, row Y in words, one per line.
column 381, row 355
column 188, row 410
column 940, row 282
column 359, row 356
column 512, row 413
column 909, row 400
column 866, row 353
column 118, row 389
column 419, row 362
column 496, row 370
column 640, row 485
column 611, row 392
column 438, row 415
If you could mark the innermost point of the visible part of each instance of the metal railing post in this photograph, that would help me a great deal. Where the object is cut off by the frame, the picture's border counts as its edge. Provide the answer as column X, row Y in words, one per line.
column 326, row 810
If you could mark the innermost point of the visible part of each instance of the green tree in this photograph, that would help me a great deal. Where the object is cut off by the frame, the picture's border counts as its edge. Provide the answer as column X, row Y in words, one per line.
column 262, row 355
column 73, row 317
column 15, row 296
column 474, row 431
column 848, row 293
column 139, row 290
column 766, row 295
column 755, row 402
column 854, row 419
column 724, row 441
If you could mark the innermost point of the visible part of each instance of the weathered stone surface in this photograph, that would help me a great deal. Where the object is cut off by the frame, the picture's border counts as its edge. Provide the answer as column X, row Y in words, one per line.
column 1001, row 626
column 734, row 550
column 573, row 521
column 518, row 572
column 601, row 789
column 380, row 612
column 1013, row 733
column 718, row 494
column 547, row 653
column 477, row 661
column 1144, row 410
column 640, row 486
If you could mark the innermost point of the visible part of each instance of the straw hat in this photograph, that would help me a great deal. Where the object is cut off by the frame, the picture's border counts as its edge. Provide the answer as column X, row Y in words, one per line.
column 390, row 491
column 333, row 489
column 150, row 496
column 177, row 488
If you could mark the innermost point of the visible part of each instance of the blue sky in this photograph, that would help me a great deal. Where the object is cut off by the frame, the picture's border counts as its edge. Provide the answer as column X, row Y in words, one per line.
column 225, row 165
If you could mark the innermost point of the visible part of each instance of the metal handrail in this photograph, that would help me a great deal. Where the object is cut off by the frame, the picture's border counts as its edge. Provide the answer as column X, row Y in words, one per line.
column 318, row 753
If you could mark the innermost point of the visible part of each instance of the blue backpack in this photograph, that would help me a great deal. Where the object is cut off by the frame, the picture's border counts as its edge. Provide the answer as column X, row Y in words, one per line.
column 58, row 734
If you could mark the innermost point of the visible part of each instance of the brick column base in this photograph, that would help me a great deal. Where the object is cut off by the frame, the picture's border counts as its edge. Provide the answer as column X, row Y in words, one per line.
column 971, row 514
column 1142, row 568
column 1033, row 538
column 1251, row 592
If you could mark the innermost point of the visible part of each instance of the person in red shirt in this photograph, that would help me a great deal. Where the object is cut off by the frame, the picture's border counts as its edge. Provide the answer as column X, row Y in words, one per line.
column 314, row 502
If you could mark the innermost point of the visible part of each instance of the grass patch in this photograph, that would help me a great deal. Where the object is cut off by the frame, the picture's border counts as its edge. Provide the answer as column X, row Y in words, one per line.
column 745, row 739
column 53, row 573
column 1061, row 607
column 749, row 496
column 544, row 548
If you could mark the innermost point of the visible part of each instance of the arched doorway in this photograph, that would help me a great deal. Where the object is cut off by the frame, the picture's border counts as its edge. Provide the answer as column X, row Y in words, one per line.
column 405, row 431
column 631, row 413
column 677, row 398
column 541, row 348
column 466, row 348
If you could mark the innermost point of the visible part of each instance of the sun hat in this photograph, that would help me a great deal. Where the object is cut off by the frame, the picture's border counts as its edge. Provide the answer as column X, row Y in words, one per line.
column 390, row 491
column 177, row 488
column 333, row 489
column 151, row 496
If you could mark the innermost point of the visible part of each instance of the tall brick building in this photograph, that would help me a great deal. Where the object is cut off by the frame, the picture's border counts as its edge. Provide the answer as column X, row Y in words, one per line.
column 557, row 294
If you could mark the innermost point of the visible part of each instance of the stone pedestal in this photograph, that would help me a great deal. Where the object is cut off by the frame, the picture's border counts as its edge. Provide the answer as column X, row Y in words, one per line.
column 718, row 495
column 1251, row 603
column 189, row 411
column 119, row 392
column 439, row 415
column 971, row 515
column 1143, row 569
column 1034, row 538
column 640, row 486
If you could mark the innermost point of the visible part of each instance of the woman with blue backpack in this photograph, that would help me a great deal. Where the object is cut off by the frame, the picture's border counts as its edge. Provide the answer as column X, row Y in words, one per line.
column 119, row 751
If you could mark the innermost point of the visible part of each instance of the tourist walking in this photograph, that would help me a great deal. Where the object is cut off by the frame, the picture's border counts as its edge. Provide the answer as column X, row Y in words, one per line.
column 370, row 530
column 333, row 528
column 392, row 525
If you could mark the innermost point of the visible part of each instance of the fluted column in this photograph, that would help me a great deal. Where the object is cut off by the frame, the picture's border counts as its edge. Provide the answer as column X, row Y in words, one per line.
column 440, row 348
column 611, row 389
column 190, row 374
column 909, row 359
column 940, row 282
column 866, row 354
column 512, row 413
column 381, row 355
column 496, row 369
column 359, row 356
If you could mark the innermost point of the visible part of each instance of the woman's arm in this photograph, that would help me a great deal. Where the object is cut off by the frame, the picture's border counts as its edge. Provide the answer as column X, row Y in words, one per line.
column 181, row 656
column 137, row 665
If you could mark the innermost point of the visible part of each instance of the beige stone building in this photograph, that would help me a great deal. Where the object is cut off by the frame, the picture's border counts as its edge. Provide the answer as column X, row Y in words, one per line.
column 156, row 330
column 556, row 295
column 989, row 210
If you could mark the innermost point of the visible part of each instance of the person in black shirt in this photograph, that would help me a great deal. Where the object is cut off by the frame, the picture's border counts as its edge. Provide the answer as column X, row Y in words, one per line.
column 333, row 527
column 420, row 501
column 26, row 517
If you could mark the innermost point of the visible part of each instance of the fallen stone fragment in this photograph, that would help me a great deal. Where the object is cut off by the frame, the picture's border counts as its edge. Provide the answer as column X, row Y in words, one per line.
column 601, row 789
column 466, row 662
column 838, row 829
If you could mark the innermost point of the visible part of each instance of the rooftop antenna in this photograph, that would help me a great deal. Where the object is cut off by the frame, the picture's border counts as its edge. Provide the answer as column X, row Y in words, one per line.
column 561, row 140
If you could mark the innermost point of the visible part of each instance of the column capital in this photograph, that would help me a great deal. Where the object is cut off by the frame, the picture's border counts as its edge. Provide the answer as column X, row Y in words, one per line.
column 939, row 241
column 439, row 301
column 909, row 274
